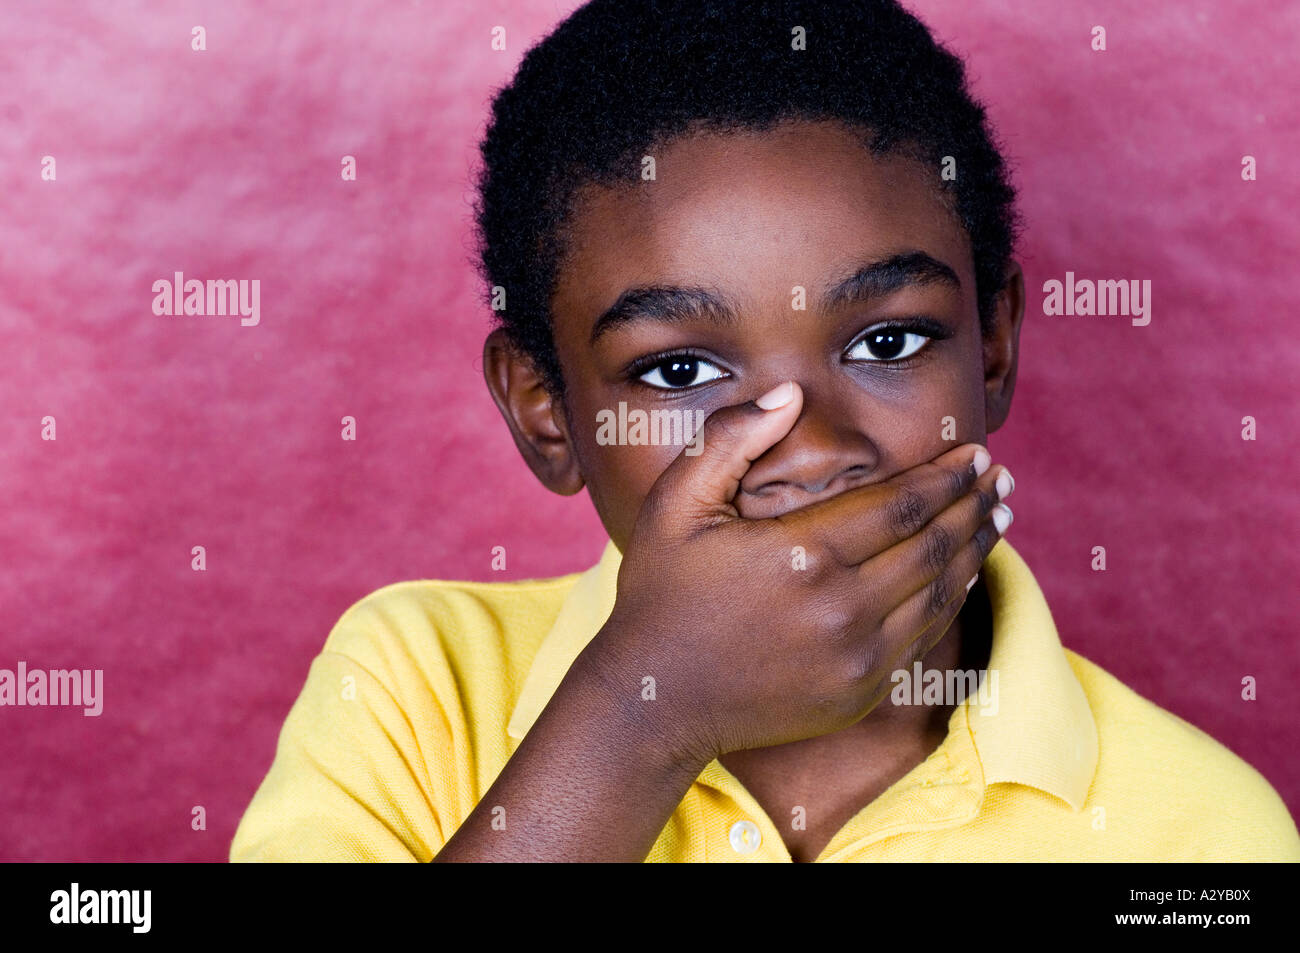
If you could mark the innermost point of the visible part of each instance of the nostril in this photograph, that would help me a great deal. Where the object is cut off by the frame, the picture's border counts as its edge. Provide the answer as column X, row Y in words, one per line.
column 845, row 480
column 774, row 497
column 856, row 474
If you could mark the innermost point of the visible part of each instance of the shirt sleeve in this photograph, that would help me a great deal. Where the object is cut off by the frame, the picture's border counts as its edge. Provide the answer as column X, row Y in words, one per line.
column 349, row 781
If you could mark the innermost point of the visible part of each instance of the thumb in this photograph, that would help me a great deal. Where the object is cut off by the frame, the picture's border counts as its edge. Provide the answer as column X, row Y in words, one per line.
column 698, row 490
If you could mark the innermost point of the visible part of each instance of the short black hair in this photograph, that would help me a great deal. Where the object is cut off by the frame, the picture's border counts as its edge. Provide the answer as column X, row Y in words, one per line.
column 619, row 78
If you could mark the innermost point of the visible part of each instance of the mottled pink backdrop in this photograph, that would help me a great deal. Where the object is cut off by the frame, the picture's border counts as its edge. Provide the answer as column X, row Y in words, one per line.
column 174, row 432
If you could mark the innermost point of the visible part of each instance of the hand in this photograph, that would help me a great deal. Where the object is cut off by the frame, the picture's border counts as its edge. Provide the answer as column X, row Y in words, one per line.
column 746, row 649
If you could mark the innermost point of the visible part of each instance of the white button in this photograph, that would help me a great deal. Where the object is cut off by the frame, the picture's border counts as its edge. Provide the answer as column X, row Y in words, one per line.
column 745, row 837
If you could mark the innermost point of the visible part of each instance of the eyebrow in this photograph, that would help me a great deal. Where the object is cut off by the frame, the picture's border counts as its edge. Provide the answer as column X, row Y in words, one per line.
column 672, row 304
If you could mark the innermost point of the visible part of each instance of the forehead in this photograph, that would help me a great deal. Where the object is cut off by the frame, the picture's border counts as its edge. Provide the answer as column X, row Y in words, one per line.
column 756, row 212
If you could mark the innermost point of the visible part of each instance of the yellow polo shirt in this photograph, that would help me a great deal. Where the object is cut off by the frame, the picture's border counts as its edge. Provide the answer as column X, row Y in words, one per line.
column 424, row 689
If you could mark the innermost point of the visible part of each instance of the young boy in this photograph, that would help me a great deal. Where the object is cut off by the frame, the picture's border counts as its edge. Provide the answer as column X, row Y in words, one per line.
column 788, row 221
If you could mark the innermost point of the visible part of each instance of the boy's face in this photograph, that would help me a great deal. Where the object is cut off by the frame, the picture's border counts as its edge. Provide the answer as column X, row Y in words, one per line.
column 749, row 219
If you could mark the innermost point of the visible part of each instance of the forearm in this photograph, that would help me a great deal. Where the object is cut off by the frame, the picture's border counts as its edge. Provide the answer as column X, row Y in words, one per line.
column 594, row 780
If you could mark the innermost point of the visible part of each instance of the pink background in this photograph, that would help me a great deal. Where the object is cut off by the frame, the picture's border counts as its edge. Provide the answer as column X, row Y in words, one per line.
column 175, row 432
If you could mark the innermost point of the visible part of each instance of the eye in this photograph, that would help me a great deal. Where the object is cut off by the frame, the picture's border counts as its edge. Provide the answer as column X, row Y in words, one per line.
column 889, row 343
column 679, row 371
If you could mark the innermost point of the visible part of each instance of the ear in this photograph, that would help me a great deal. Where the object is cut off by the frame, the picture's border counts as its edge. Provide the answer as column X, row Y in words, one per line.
column 1002, row 349
column 535, row 418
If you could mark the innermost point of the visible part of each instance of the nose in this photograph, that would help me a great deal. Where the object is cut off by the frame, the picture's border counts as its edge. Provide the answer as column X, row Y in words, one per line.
column 823, row 455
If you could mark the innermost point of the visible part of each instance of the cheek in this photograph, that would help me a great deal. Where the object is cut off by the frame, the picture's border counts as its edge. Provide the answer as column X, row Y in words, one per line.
column 619, row 478
column 626, row 473
column 963, row 411
column 628, row 445
column 933, row 419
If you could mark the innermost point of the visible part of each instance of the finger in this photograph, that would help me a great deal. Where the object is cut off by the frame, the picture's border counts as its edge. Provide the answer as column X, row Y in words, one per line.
column 915, row 562
column 697, row 491
column 943, row 596
column 859, row 523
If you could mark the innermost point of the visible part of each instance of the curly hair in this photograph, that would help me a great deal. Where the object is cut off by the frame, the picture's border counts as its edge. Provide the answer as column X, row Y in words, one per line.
column 620, row 78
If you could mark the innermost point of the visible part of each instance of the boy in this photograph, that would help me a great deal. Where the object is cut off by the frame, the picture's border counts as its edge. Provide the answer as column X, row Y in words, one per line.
column 788, row 221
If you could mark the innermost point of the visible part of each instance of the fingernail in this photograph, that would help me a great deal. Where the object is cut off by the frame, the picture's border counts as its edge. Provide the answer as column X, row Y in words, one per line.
column 1005, row 485
column 1002, row 517
column 972, row 581
column 778, row 396
column 981, row 461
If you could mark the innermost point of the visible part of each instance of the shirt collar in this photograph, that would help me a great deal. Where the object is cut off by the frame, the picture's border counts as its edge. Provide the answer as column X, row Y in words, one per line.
column 1041, row 732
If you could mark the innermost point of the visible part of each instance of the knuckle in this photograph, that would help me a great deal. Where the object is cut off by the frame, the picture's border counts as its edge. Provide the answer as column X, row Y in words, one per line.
column 985, row 499
column 906, row 511
column 986, row 537
column 938, row 545
column 809, row 561
column 938, row 595
column 865, row 661
column 834, row 620
column 830, row 562
column 803, row 551
column 959, row 481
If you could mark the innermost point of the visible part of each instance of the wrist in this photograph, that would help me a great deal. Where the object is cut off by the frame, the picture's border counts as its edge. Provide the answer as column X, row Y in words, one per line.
column 626, row 701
